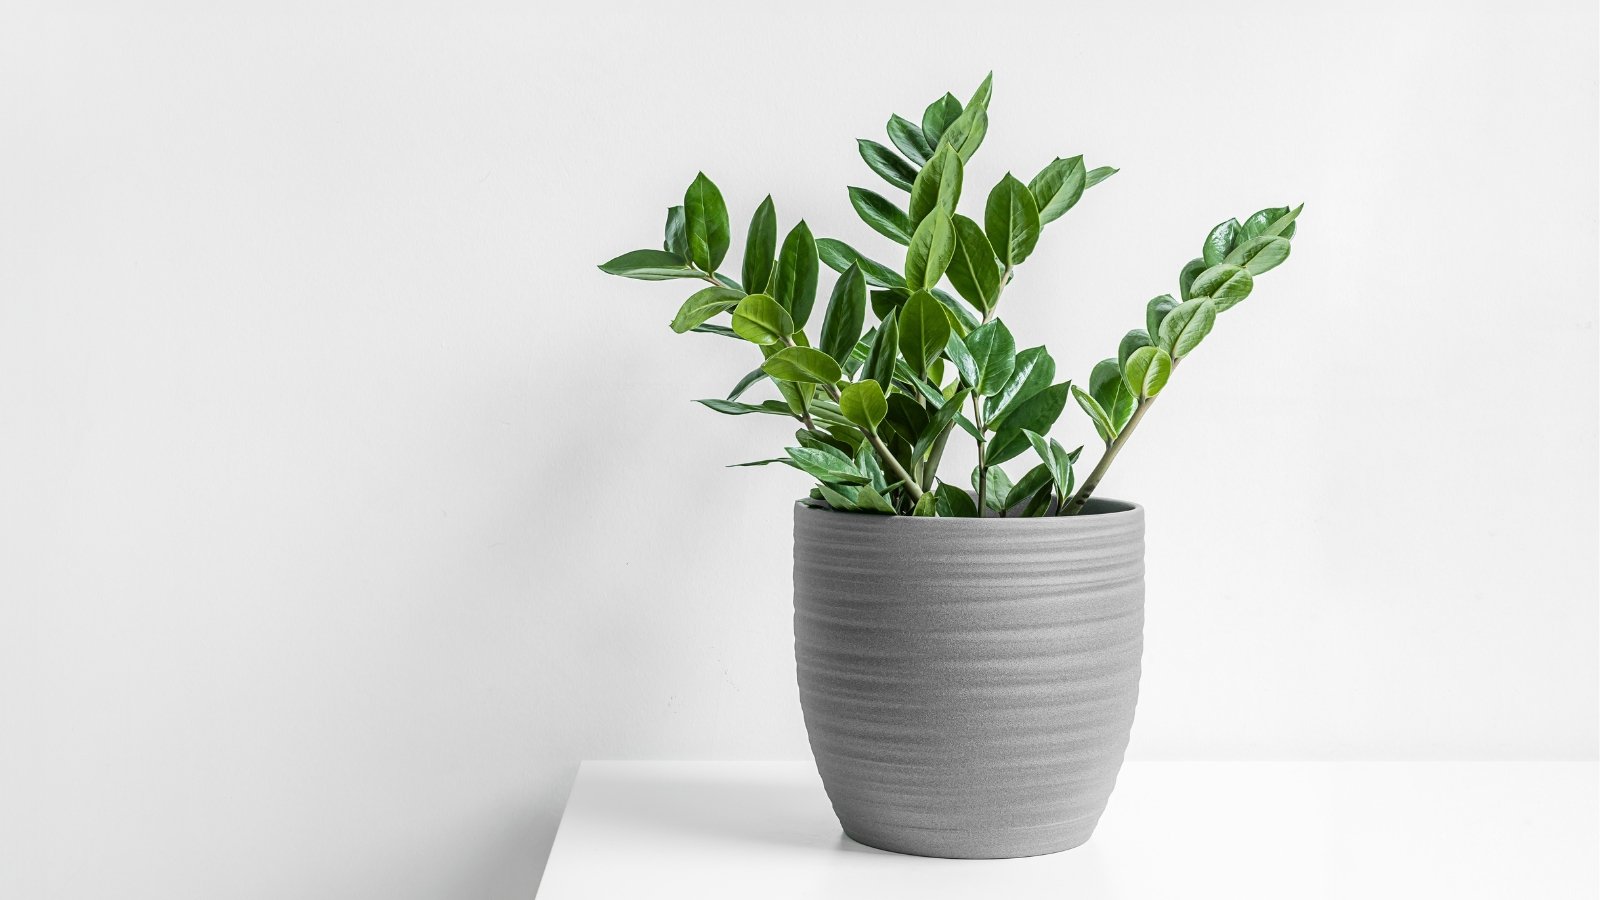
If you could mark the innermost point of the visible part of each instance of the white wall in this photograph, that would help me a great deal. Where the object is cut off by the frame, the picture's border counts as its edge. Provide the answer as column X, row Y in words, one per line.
column 344, row 506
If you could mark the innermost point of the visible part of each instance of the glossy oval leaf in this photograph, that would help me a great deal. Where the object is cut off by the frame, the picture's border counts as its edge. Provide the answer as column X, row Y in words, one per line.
column 937, row 185
column 1185, row 327
column 1110, row 390
column 1260, row 254
column 863, row 403
column 881, row 215
column 705, row 223
column 885, row 350
column 794, row 282
column 1097, row 415
column 1191, row 270
column 1155, row 312
column 839, row 256
column 846, row 314
column 1033, row 372
column 1225, row 283
column 1220, row 242
column 805, row 365
column 1058, row 187
column 938, row 116
column 1131, row 341
column 955, row 349
column 1096, row 176
column 703, row 305
column 760, row 246
column 760, row 320
column 1039, row 412
column 650, row 265
column 1011, row 220
column 955, row 503
column 973, row 271
column 888, row 164
column 1146, row 372
column 932, row 247
column 674, row 239
column 994, row 352
column 923, row 328
column 908, row 138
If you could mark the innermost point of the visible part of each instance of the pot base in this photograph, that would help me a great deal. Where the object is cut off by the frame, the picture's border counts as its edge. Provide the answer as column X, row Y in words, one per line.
column 971, row 847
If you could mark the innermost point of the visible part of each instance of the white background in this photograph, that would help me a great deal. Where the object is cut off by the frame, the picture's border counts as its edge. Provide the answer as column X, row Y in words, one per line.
column 344, row 505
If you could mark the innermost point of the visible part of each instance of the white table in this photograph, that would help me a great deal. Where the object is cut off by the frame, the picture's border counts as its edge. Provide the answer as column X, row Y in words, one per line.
column 1286, row 831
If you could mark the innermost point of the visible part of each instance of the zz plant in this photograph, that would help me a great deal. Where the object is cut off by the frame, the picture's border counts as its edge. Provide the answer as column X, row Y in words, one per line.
column 877, row 406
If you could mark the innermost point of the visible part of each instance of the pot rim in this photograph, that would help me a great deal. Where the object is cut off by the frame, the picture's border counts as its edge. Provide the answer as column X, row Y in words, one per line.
column 1118, row 509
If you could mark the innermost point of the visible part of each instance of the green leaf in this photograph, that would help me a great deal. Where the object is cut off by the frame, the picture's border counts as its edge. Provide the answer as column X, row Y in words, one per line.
column 937, row 423
column 887, row 164
column 705, row 223
column 906, row 418
column 1259, row 254
column 794, row 283
column 966, row 133
column 1037, row 413
column 1147, row 371
column 953, row 502
column 980, row 97
column 881, row 215
column 1131, row 341
column 1184, row 327
column 798, row 397
column 938, row 116
column 649, row 265
column 955, row 349
column 1058, row 462
column 995, row 353
column 750, row 378
column 927, row 505
column 761, row 243
column 1224, row 283
column 827, row 465
column 840, row 256
column 1220, row 241
column 803, row 364
column 908, row 137
column 730, row 408
column 1191, row 271
column 1156, row 311
column 1028, row 485
column 885, row 347
column 760, row 320
column 676, row 241
column 870, row 501
column 863, row 403
column 924, row 330
column 719, row 330
column 997, row 489
column 838, row 499
column 1058, row 188
column 1033, row 372
column 1011, row 220
column 1098, row 414
column 961, row 318
column 937, row 185
column 1096, row 176
column 762, row 462
column 973, row 271
column 1108, row 389
column 1284, row 224
column 703, row 305
column 847, row 312
column 931, row 250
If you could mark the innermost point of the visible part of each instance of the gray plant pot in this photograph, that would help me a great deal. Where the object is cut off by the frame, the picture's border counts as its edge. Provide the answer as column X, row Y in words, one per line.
column 969, row 684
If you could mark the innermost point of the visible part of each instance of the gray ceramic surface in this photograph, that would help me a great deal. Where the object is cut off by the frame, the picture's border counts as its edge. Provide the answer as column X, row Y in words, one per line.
column 969, row 685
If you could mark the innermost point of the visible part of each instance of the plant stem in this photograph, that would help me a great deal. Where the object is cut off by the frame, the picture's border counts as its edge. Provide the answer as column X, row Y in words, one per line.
column 882, row 450
column 1082, row 496
column 930, row 469
column 983, row 469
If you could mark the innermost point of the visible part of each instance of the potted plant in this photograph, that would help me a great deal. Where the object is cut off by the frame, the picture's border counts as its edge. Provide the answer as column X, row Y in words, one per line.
column 968, row 660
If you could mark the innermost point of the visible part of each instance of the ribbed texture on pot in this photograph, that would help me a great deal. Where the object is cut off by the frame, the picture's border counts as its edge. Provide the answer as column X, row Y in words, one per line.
column 969, row 686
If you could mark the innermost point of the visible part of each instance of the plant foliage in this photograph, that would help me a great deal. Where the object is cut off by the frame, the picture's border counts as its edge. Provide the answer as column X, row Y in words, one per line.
column 877, row 404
